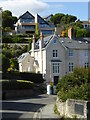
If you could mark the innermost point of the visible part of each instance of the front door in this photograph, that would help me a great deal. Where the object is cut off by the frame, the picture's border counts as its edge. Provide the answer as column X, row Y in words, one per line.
column 56, row 78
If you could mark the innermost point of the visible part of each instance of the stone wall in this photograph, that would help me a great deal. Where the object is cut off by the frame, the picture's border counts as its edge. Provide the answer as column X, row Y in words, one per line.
column 72, row 108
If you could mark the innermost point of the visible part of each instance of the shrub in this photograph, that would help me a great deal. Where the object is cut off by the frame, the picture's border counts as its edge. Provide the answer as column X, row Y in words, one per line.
column 74, row 85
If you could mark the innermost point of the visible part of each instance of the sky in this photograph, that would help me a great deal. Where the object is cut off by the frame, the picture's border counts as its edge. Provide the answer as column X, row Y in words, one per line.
column 46, row 7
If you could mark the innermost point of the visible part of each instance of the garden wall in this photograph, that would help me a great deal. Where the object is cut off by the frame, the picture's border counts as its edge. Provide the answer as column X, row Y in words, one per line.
column 73, row 108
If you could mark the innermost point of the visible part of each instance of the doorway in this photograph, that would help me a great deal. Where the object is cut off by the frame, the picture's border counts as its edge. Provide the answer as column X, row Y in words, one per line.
column 56, row 78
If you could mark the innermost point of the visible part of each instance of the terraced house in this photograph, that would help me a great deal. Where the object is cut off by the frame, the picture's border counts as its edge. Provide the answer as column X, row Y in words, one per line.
column 55, row 56
column 27, row 23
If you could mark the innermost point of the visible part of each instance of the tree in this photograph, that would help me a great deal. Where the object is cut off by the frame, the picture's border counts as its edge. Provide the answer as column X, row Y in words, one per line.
column 67, row 19
column 56, row 18
column 5, row 63
column 29, row 46
column 37, row 29
column 7, row 19
column 13, row 63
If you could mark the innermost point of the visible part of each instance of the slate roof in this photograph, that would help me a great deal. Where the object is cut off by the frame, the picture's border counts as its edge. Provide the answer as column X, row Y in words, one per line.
column 75, row 44
column 22, row 57
column 46, row 41
column 81, row 43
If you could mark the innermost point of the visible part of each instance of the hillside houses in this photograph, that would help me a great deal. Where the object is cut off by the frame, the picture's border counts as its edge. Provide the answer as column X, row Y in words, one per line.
column 55, row 56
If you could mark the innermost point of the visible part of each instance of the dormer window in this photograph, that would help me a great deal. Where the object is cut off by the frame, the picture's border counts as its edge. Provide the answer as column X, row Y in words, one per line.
column 54, row 41
column 55, row 53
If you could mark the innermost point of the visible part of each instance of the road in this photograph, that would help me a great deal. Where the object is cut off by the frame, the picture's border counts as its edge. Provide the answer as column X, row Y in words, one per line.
column 25, row 108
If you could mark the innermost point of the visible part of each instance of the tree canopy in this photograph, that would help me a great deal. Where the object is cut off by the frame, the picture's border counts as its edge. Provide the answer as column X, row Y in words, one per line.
column 60, row 18
column 7, row 19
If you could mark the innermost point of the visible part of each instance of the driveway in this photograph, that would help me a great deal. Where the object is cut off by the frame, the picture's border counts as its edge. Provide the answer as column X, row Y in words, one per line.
column 25, row 108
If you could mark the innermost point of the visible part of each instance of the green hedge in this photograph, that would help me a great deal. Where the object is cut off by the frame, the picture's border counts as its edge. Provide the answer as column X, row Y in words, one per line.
column 13, row 39
column 36, row 78
column 16, row 84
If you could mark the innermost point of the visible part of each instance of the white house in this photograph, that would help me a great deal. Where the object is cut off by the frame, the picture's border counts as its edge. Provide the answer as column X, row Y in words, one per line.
column 54, row 56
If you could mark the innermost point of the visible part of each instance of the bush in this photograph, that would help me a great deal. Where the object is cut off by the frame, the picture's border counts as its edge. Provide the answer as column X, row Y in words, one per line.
column 74, row 85
column 16, row 84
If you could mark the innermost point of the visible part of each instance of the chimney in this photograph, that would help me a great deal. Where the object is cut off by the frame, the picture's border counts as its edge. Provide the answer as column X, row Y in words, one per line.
column 41, row 53
column 36, row 18
column 41, row 41
column 33, row 45
column 71, row 33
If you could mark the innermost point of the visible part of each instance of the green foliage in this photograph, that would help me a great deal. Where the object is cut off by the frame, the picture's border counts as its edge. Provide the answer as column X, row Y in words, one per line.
column 13, row 63
column 37, row 29
column 56, row 110
column 14, row 39
column 74, row 85
column 81, row 32
column 10, row 55
column 16, row 84
column 62, row 19
column 7, row 19
column 29, row 46
column 5, row 63
column 67, row 19
column 56, row 18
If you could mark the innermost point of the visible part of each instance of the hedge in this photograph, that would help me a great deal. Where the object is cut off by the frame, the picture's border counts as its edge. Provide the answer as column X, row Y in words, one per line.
column 36, row 78
column 16, row 84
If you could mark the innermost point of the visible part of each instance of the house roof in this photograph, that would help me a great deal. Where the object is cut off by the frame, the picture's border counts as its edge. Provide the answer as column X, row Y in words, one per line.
column 43, row 20
column 45, row 17
column 75, row 44
column 25, row 13
column 22, row 57
column 81, row 43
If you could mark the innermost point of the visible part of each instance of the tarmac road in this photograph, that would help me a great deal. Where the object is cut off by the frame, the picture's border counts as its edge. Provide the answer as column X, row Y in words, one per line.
column 25, row 108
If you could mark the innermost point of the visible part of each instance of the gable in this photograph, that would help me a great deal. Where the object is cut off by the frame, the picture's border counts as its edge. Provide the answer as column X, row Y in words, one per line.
column 55, row 43
column 42, row 21
column 27, row 15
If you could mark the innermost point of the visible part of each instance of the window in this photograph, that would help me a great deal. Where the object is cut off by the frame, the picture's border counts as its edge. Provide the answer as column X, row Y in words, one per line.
column 55, row 67
column 70, row 67
column 54, row 41
column 86, row 53
column 70, row 52
column 55, row 53
column 86, row 65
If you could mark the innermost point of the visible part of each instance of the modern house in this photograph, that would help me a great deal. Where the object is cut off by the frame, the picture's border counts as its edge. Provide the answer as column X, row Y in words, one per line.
column 54, row 56
column 27, row 23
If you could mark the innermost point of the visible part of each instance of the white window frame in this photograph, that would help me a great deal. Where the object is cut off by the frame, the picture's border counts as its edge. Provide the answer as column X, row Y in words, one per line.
column 56, row 69
column 71, row 66
column 55, row 53
column 70, row 53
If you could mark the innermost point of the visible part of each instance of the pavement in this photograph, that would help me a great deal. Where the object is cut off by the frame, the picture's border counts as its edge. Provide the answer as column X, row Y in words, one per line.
column 46, row 112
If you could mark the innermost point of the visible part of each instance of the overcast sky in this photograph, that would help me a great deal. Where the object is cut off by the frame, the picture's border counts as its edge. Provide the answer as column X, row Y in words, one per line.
column 46, row 7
